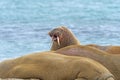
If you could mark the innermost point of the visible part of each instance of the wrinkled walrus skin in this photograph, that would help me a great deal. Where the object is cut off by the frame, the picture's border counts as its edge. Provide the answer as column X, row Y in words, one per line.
column 109, row 49
column 52, row 66
column 110, row 61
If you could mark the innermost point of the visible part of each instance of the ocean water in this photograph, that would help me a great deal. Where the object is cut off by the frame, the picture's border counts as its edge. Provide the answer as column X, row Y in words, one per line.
column 24, row 24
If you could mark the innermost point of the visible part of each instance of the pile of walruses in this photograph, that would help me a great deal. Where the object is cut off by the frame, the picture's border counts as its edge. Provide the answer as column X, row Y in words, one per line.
column 67, row 60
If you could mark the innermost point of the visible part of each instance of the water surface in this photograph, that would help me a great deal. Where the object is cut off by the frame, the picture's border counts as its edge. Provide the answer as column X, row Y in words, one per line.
column 24, row 24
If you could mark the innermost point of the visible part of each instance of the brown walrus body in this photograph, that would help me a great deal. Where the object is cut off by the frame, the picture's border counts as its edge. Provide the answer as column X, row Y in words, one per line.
column 109, row 49
column 108, row 60
column 52, row 66
column 62, row 37
column 111, row 62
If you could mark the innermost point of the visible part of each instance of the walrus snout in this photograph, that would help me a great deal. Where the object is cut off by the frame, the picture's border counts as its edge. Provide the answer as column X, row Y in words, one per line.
column 56, row 35
column 55, row 38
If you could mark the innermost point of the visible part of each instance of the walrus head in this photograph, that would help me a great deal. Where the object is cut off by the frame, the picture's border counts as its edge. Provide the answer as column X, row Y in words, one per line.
column 56, row 35
column 62, row 37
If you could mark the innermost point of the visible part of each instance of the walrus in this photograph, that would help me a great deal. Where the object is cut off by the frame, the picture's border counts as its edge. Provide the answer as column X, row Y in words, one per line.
column 101, row 54
column 62, row 37
column 110, row 61
column 109, row 49
column 53, row 66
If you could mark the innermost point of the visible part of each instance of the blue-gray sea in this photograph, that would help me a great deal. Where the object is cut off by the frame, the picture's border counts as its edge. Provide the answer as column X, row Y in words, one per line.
column 24, row 24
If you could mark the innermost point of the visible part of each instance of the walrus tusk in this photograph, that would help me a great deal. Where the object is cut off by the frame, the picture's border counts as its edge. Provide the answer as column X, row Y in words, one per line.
column 58, row 41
